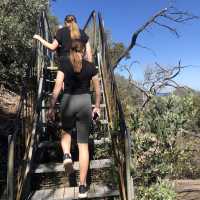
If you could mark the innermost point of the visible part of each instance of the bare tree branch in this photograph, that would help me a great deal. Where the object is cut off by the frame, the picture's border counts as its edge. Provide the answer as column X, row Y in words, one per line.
column 173, row 30
column 147, row 48
column 135, row 35
column 157, row 78
column 171, row 14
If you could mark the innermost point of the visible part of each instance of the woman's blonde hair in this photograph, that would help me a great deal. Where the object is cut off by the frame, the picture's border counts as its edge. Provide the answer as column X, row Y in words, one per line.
column 76, row 60
column 75, row 32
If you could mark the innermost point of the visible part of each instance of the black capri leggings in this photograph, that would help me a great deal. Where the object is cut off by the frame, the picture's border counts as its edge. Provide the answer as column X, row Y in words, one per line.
column 76, row 111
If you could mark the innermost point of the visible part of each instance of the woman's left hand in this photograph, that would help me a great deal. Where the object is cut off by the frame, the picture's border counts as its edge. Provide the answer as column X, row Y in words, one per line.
column 51, row 114
column 37, row 37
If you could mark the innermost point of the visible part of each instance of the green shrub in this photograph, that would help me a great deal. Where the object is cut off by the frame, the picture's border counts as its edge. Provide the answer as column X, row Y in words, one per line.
column 18, row 25
column 162, row 190
column 161, row 147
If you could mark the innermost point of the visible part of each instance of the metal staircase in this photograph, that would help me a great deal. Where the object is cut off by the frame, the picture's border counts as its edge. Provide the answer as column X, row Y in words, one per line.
column 48, row 174
column 43, row 175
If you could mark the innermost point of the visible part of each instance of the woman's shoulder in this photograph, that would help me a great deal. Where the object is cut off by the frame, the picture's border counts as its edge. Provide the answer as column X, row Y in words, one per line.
column 63, row 30
column 84, row 36
column 87, row 63
column 90, row 67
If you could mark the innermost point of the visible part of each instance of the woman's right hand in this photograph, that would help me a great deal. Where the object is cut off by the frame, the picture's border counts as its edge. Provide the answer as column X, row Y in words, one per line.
column 51, row 114
column 97, row 111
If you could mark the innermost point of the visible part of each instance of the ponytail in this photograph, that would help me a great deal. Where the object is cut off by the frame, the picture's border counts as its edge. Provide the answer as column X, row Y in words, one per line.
column 75, row 59
column 74, row 33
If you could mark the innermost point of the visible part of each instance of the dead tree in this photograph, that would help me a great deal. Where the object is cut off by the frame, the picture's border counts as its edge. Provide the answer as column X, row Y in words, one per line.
column 171, row 14
column 156, row 78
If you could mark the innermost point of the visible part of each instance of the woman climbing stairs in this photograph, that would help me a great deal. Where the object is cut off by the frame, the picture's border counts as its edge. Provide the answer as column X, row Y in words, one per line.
column 49, row 179
column 43, row 174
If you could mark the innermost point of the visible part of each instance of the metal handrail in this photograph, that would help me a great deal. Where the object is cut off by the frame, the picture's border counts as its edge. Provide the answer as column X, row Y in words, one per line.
column 20, row 142
column 13, row 140
column 116, row 107
column 44, row 58
column 87, row 27
column 113, row 105
column 91, row 16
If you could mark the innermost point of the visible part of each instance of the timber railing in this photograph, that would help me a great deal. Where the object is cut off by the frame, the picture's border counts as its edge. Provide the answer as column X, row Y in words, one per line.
column 90, row 29
column 19, row 141
column 21, row 144
column 119, row 133
column 44, row 58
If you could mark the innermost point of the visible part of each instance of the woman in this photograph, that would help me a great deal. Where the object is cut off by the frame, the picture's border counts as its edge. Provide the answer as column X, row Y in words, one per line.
column 75, row 73
column 65, row 36
column 76, row 108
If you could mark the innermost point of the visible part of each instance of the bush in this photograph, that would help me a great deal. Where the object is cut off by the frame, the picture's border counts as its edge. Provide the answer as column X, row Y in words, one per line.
column 17, row 24
column 161, row 146
column 162, row 190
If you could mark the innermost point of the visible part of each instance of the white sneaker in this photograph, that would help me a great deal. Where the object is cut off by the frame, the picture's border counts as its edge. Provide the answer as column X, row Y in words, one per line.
column 83, row 191
column 67, row 163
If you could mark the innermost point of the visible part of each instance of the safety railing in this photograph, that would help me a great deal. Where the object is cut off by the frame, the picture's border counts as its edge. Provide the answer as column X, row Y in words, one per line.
column 90, row 29
column 44, row 58
column 19, row 141
column 120, row 135
column 21, row 144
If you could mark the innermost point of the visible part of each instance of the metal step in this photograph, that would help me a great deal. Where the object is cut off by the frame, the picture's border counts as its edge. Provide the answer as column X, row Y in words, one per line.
column 56, row 68
column 57, row 103
column 69, row 193
column 48, row 144
column 51, row 81
column 52, row 68
column 58, row 167
column 103, row 105
column 54, row 80
column 101, row 121
column 102, row 141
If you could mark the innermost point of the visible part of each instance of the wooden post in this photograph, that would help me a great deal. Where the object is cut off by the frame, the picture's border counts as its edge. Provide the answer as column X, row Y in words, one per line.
column 129, row 183
column 10, row 169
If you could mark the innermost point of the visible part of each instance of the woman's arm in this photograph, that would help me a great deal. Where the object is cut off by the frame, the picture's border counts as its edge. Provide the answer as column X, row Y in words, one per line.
column 57, row 88
column 51, row 46
column 96, row 84
column 88, row 52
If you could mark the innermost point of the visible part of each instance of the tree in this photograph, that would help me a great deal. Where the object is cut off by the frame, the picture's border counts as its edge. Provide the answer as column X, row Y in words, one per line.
column 53, row 23
column 170, row 14
column 115, row 49
column 131, row 95
column 17, row 24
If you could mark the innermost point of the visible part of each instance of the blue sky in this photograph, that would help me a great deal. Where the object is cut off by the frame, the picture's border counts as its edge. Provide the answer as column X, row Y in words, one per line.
column 122, row 18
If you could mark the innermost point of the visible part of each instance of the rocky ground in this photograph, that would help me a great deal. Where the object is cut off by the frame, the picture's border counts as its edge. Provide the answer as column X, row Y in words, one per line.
column 9, row 102
column 8, row 108
column 188, row 189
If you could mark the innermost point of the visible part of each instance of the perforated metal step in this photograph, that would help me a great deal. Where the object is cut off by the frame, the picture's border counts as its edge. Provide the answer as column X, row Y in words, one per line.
column 58, row 167
column 69, row 193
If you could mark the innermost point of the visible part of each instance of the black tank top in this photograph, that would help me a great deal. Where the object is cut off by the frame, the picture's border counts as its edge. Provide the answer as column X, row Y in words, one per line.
column 65, row 41
column 77, row 83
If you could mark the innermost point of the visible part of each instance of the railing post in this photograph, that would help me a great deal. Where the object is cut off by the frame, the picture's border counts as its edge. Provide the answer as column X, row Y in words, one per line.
column 10, row 169
column 94, row 32
column 129, row 181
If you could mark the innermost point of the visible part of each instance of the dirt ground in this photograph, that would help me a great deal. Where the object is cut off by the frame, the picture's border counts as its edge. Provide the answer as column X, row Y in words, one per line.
column 9, row 102
column 188, row 189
